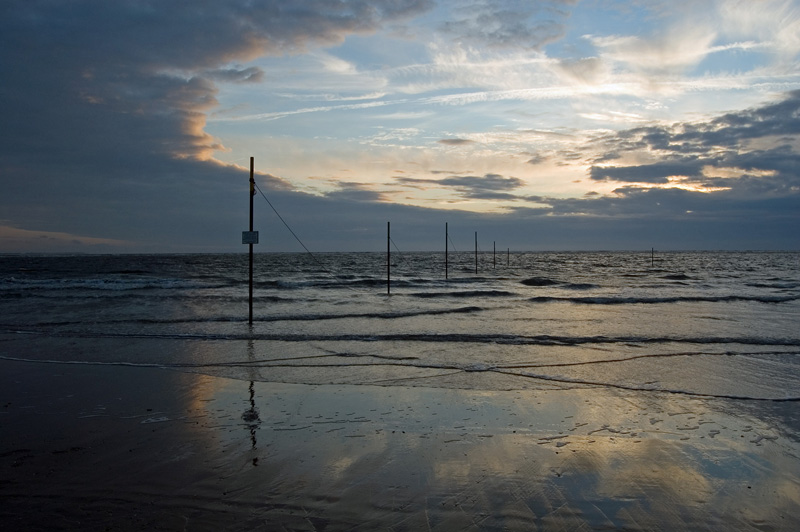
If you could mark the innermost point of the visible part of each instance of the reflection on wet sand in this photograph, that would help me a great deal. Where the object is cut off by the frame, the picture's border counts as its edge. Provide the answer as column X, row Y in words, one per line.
column 250, row 416
column 405, row 457
column 179, row 450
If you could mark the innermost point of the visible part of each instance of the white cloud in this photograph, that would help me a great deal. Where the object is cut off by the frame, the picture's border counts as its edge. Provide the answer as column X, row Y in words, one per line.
column 334, row 64
column 667, row 54
column 776, row 22
column 305, row 110
column 616, row 117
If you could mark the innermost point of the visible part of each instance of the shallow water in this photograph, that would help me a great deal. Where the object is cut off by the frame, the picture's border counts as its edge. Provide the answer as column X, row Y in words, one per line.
column 704, row 324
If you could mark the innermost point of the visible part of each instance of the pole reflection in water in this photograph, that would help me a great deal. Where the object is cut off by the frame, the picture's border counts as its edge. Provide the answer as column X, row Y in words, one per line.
column 250, row 416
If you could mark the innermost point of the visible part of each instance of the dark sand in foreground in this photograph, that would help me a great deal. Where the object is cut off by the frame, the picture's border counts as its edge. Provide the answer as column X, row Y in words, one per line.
column 125, row 448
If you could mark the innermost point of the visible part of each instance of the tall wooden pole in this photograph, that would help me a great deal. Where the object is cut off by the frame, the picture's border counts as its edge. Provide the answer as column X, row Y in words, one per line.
column 494, row 255
column 446, row 237
column 388, row 258
column 252, row 194
column 476, row 253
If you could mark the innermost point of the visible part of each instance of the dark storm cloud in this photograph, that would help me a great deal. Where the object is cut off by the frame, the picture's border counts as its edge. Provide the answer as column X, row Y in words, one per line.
column 489, row 186
column 750, row 154
column 651, row 173
column 103, row 107
column 354, row 192
column 167, row 35
column 509, row 24
column 659, row 208
column 733, row 182
column 625, row 203
column 781, row 118
column 730, row 131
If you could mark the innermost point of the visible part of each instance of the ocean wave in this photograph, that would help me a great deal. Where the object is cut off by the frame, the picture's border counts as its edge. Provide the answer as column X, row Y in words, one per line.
column 99, row 284
column 464, row 294
column 540, row 281
column 777, row 285
column 676, row 277
column 189, row 295
column 450, row 338
column 261, row 318
column 579, row 286
column 547, row 282
column 619, row 300
column 372, row 315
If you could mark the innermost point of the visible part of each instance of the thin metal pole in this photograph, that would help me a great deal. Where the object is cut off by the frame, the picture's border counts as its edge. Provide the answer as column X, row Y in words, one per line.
column 446, row 236
column 494, row 254
column 388, row 258
column 652, row 257
column 508, row 257
column 476, row 253
column 252, row 194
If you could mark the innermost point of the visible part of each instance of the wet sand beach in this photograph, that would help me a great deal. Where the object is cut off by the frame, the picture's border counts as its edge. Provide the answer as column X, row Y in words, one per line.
column 122, row 448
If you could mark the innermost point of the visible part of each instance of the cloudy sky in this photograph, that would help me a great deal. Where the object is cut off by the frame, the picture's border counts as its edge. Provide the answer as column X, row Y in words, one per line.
column 127, row 126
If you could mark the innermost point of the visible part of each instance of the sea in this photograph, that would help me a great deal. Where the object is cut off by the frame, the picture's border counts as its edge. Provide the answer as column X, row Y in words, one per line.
column 706, row 324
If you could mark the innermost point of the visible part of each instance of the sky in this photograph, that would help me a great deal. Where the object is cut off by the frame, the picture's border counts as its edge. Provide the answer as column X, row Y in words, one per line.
column 128, row 126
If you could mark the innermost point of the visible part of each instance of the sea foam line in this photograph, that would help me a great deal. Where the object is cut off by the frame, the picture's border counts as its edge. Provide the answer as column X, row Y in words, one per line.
column 452, row 369
column 501, row 339
column 629, row 387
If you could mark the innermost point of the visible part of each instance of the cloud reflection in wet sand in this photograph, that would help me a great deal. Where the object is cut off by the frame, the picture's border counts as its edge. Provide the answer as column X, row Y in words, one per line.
column 409, row 457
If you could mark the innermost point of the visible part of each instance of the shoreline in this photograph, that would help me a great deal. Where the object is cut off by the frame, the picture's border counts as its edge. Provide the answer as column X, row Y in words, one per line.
column 127, row 448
